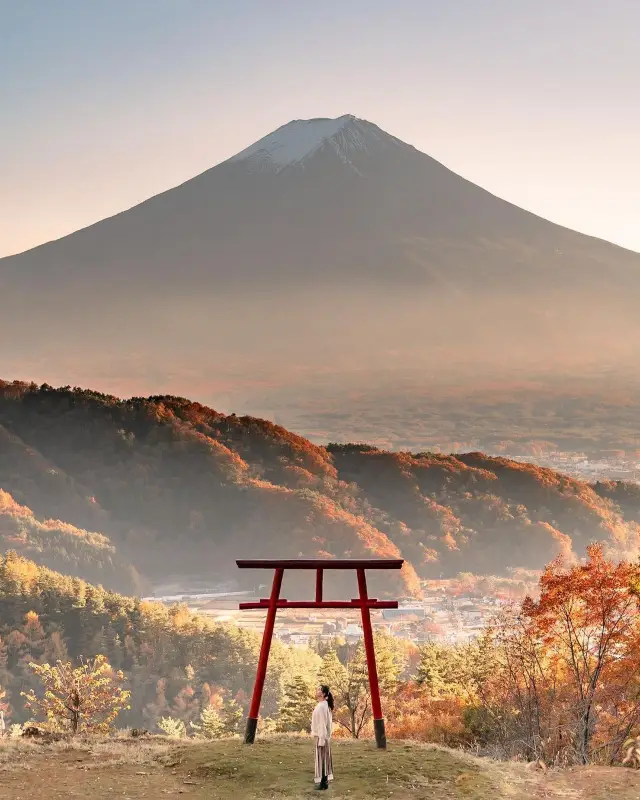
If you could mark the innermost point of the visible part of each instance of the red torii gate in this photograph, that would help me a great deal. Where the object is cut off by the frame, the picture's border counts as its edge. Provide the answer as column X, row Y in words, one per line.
column 274, row 602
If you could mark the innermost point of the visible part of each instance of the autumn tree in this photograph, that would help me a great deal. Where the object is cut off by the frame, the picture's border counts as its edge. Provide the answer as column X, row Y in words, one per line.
column 517, row 706
column 185, row 705
column 411, row 713
column 5, row 710
column 571, row 658
column 587, row 616
column 354, row 695
column 172, row 727
column 347, row 687
column 88, row 697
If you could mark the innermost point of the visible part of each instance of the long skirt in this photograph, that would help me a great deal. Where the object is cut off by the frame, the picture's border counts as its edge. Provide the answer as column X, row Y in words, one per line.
column 324, row 763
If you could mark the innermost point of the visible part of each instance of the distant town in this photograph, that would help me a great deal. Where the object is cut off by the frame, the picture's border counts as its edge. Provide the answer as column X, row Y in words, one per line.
column 438, row 616
column 613, row 465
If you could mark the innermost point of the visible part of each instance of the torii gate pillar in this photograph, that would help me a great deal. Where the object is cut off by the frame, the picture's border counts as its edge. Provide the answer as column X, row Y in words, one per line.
column 363, row 602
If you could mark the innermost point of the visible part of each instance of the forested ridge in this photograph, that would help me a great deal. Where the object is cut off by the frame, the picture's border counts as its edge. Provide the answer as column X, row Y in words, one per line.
column 175, row 662
column 118, row 491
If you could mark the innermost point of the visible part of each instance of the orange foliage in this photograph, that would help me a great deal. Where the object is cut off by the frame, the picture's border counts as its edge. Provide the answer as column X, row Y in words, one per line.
column 173, row 481
column 570, row 661
column 412, row 714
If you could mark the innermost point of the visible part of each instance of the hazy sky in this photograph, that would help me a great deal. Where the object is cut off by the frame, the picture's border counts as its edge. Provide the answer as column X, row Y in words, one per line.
column 104, row 103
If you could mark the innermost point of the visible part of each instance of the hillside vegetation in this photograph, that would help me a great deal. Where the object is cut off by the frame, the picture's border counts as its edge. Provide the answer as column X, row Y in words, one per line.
column 553, row 680
column 64, row 547
column 177, row 486
column 176, row 663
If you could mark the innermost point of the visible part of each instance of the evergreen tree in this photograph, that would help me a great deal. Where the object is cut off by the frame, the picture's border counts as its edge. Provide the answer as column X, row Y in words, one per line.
column 458, row 671
column 390, row 660
column 332, row 673
column 297, row 706
column 210, row 725
column 442, row 669
column 34, row 643
column 231, row 717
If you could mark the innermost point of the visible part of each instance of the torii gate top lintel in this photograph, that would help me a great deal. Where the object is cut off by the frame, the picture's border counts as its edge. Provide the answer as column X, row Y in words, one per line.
column 273, row 603
column 321, row 563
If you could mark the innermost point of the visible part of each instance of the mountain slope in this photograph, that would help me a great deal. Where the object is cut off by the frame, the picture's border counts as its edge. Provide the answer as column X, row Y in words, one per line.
column 183, row 488
column 319, row 201
column 64, row 547
column 329, row 245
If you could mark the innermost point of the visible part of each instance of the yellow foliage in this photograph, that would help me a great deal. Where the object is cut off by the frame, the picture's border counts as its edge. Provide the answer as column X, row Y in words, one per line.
column 88, row 697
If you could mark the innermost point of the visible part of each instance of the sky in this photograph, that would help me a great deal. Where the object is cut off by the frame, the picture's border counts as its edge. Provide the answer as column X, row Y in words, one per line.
column 106, row 103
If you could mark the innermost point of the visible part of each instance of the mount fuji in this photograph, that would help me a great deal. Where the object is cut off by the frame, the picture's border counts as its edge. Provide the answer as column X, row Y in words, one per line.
column 327, row 246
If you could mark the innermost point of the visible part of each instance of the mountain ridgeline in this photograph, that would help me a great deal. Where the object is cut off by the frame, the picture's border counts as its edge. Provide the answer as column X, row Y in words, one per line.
column 124, row 492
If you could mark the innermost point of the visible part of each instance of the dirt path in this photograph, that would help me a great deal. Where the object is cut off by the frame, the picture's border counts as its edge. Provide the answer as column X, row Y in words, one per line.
column 71, row 774
column 596, row 783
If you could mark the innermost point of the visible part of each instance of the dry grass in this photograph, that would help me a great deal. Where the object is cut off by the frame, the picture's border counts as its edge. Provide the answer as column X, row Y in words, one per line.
column 13, row 752
column 280, row 768
column 103, row 751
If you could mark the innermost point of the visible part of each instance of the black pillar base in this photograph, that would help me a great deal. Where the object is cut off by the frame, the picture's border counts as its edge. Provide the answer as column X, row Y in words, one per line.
column 381, row 736
column 250, row 730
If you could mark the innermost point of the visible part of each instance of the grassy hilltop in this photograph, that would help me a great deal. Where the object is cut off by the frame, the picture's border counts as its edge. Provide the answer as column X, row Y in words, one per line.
column 280, row 768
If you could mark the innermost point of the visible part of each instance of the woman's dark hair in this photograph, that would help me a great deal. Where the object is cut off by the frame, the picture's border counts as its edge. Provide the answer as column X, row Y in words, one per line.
column 327, row 696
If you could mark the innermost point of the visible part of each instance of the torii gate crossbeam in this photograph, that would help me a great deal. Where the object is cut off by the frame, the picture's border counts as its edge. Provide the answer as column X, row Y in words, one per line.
column 275, row 602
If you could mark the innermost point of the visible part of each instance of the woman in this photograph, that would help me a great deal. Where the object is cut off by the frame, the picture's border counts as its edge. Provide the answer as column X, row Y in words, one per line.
column 321, row 723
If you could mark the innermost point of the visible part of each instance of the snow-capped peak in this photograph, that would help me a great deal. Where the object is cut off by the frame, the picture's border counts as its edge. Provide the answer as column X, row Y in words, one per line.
column 296, row 141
